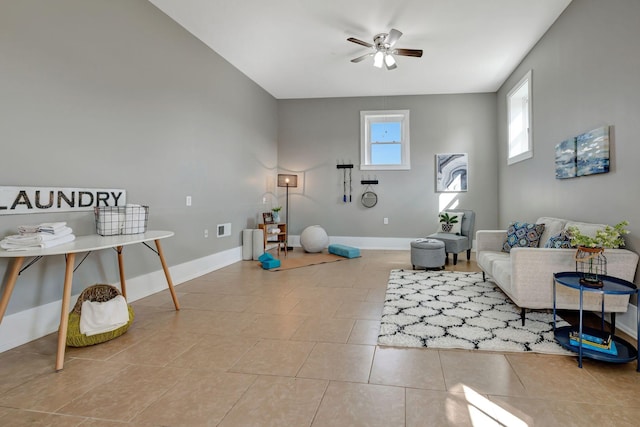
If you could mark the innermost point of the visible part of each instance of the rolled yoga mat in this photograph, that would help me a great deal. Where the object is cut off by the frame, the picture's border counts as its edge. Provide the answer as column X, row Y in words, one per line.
column 258, row 243
column 247, row 244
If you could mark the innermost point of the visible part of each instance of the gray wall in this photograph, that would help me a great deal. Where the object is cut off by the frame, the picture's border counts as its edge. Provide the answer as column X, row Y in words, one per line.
column 317, row 134
column 114, row 94
column 585, row 75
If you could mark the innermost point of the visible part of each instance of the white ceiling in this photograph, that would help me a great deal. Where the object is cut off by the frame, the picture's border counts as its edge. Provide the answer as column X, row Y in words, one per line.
column 298, row 48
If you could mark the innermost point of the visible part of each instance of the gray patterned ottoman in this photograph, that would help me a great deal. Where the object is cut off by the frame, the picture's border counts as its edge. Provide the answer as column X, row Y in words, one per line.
column 428, row 253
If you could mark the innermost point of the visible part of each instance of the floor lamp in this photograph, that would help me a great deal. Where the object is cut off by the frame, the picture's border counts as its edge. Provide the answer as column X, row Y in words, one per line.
column 287, row 180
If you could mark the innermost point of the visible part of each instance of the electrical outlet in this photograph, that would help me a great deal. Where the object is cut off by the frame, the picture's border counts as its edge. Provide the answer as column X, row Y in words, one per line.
column 206, row 233
column 385, row 221
column 188, row 200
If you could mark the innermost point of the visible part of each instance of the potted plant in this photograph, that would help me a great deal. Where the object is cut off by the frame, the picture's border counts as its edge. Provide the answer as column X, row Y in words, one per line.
column 276, row 213
column 448, row 221
column 609, row 237
column 590, row 260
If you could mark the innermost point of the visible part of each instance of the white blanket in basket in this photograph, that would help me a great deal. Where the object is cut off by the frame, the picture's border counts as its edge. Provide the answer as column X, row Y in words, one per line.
column 100, row 317
column 134, row 219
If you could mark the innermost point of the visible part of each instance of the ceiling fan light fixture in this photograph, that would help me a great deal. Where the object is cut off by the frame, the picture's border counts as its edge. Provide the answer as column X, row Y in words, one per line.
column 389, row 60
column 377, row 59
column 383, row 49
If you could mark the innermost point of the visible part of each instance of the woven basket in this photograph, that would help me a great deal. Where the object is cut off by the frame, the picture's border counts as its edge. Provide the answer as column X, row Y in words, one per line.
column 95, row 293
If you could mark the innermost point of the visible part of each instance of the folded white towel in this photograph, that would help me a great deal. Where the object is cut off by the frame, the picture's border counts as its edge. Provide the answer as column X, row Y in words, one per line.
column 59, row 241
column 28, row 229
column 51, row 227
column 34, row 238
column 62, row 232
column 12, row 246
column 100, row 317
column 27, row 239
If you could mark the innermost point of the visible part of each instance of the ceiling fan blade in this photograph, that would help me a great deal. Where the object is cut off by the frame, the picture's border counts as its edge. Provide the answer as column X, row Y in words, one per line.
column 393, row 37
column 363, row 57
column 417, row 53
column 360, row 42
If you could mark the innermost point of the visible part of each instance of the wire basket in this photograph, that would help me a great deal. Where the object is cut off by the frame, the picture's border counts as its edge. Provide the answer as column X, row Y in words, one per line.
column 114, row 220
column 591, row 264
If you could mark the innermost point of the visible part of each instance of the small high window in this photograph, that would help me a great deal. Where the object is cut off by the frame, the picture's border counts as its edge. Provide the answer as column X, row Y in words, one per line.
column 384, row 140
column 519, row 121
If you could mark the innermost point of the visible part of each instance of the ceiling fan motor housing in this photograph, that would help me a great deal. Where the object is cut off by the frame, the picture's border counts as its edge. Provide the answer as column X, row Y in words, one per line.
column 380, row 41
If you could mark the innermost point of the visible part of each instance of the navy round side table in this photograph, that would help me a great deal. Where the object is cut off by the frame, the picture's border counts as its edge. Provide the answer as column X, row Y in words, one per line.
column 611, row 286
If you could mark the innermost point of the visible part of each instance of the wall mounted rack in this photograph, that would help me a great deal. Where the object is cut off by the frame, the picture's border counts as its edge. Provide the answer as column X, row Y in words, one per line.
column 346, row 189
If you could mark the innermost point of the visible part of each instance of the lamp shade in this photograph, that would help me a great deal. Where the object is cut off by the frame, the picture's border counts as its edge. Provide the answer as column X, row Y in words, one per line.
column 378, row 58
column 389, row 60
column 287, row 180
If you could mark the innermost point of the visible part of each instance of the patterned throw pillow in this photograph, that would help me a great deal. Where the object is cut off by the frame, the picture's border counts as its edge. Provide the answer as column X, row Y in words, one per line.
column 451, row 228
column 561, row 240
column 522, row 234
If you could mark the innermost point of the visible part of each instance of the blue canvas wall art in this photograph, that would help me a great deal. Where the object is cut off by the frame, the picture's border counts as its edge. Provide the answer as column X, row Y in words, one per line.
column 566, row 159
column 592, row 152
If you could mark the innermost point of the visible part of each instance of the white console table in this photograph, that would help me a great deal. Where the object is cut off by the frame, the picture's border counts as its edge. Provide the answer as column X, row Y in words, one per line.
column 69, row 250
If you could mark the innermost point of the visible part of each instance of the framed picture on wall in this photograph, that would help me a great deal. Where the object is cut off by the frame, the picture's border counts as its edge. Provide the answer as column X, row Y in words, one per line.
column 592, row 152
column 452, row 172
column 566, row 159
column 267, row 217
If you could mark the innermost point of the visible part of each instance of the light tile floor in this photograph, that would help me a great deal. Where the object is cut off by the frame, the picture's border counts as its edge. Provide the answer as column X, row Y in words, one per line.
column 298, row 348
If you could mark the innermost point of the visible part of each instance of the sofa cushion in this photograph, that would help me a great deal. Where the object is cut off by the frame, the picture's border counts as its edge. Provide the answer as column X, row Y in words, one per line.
column 522, row 234
column 486, row 259
column 455, row 228
column 552, row 226
column 453, row 244
column 501, row 272
column 562, row 240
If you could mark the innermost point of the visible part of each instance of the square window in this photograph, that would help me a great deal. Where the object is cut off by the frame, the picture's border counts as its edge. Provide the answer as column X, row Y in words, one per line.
column 384, row 140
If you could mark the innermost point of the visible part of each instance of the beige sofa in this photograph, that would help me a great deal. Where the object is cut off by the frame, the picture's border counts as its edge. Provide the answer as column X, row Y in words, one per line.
column 526, row 274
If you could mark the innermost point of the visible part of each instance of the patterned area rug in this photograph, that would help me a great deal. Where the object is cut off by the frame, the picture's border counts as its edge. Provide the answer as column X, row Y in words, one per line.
column 458, row 310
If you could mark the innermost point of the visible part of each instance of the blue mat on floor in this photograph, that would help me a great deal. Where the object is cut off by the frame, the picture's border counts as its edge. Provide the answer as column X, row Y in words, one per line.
column 344, row 250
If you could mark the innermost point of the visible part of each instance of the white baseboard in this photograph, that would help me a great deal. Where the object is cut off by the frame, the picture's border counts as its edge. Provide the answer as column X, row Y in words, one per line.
column 379, row 243
column 25, row 326
column 388, row 243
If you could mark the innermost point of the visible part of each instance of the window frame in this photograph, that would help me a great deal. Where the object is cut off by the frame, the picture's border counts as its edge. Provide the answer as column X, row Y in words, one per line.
column 377, row 116
column 526, row 80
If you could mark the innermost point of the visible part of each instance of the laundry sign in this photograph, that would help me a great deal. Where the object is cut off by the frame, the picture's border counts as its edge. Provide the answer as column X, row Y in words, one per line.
column 27, row 200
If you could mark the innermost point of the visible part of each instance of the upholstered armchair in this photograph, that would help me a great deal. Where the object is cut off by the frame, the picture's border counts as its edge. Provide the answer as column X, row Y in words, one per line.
column 456, row 243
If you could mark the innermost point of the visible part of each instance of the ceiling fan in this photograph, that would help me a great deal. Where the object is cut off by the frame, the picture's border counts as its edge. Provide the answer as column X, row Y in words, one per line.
column 383, row 49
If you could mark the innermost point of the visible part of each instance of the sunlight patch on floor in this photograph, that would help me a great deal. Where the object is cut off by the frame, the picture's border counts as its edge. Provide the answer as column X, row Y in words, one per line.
column 483, row 412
